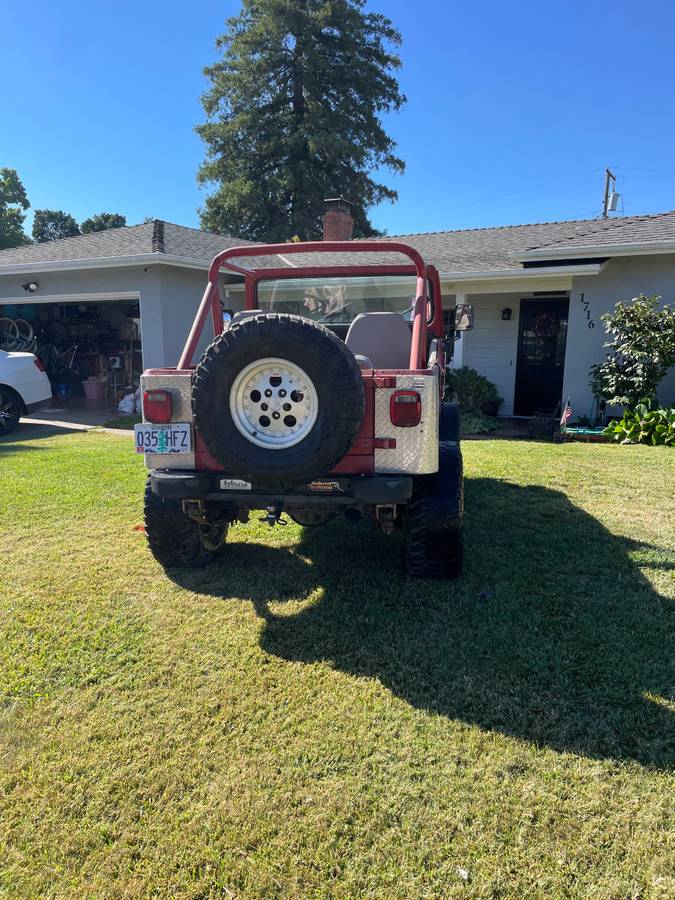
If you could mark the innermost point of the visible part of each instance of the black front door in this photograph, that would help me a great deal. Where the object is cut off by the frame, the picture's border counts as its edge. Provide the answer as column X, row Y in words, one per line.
column 541, row 355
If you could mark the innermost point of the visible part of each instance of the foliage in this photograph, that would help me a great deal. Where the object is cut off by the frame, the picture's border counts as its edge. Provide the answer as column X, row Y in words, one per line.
column 641, row 351
column 52, row 225
column 13, row 204
column 646, row 424
column 102, row 222
column 470, row 389
column 293, row 117
column 475, row 422
column 299, row 720
column 125, row 423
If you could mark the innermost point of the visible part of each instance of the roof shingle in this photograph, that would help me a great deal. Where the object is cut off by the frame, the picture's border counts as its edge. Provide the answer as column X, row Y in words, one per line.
column 471, row 250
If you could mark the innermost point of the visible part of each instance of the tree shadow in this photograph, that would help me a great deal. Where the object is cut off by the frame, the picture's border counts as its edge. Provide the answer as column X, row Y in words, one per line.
column 552, row 635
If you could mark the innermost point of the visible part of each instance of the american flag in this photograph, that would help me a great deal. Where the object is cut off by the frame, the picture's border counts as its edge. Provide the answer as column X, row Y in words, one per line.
column 567, row 414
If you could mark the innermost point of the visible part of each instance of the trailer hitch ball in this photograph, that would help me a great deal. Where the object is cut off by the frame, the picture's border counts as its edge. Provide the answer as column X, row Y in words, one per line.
column 273, row 515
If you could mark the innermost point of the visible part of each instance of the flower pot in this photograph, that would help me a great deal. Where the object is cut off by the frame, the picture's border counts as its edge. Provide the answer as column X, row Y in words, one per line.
column 94, row 390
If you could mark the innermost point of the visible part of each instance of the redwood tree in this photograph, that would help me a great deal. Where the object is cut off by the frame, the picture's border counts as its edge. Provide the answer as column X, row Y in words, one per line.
column 294, row 116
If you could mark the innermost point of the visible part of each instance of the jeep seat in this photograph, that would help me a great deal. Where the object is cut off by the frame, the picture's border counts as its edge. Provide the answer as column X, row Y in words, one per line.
column 383, row 337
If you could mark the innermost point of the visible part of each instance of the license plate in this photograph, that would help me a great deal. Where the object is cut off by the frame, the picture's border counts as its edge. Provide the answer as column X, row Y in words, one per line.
column 176, row 437
column 235, row 484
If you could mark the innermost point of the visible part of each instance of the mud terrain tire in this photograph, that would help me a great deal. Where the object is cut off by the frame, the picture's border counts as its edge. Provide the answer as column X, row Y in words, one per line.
column 176, row 540
column 338, row 403
column 448, row 426
column 434, row 547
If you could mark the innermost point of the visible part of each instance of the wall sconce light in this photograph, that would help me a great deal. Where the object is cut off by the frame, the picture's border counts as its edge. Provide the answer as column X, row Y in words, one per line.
column 506, row 314
column 30, row 287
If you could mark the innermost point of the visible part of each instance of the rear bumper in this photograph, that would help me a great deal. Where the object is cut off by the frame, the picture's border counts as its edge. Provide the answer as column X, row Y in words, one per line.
column 363, row 490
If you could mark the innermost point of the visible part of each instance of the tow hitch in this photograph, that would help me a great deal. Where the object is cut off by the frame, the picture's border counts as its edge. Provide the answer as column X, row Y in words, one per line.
column 273, row 515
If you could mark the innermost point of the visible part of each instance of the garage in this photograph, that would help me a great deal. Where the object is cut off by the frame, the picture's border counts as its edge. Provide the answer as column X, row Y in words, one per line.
column 99, row 308
column 91, row 349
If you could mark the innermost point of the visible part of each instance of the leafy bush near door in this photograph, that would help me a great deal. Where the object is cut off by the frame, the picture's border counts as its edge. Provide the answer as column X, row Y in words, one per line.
column 472, row 391
column 646, row 424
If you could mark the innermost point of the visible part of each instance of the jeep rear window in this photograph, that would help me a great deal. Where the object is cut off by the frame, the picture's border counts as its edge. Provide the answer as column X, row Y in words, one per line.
column 338, row 300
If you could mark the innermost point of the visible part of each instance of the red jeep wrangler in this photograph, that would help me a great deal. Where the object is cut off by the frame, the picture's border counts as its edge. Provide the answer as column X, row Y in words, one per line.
column 322, row 397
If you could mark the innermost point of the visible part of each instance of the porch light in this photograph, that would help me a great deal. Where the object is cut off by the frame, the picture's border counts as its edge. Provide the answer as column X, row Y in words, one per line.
column 30, row 287
column 506, row 314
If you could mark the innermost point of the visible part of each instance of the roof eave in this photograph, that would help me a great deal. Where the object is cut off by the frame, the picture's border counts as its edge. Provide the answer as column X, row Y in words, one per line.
column 103, row 262
column 519, row 274
column 645, row 248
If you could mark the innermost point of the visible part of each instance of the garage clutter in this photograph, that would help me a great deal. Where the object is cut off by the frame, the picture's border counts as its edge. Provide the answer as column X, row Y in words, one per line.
column 90, row 351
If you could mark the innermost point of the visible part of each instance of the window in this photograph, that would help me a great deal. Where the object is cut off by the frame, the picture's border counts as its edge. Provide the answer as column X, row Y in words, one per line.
column 338, row 300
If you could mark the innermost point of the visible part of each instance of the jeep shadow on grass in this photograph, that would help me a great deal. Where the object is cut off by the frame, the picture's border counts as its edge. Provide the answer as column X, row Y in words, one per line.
column 553, row 635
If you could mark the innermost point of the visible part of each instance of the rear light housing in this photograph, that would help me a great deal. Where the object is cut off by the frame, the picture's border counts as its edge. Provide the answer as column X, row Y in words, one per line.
column 157, row 407
column 405, row 409
column 38, row 362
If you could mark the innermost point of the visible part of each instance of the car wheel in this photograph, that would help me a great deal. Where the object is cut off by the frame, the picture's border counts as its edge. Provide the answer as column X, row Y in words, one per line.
column 277, row 400
column 176, row 540
column 10, row 410
column 433, row 525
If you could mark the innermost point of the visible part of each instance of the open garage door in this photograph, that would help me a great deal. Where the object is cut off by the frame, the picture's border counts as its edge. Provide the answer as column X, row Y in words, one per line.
column 91, row 348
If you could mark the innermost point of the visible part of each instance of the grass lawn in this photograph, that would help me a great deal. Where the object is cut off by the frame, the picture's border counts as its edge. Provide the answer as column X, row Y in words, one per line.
column 303, row 721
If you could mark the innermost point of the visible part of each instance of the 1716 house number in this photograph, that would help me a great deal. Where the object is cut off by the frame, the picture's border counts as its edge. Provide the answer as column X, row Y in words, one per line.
column 587, row 309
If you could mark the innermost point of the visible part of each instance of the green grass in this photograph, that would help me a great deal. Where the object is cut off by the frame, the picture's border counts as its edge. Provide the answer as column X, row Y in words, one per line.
column 303, row 721
column 123, row 422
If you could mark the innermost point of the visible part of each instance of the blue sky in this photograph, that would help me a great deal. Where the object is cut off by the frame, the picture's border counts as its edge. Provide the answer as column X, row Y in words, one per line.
column 514, row 109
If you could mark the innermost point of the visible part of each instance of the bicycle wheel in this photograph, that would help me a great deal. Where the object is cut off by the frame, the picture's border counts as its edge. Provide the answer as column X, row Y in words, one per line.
column 25, row 330
column 9, row 334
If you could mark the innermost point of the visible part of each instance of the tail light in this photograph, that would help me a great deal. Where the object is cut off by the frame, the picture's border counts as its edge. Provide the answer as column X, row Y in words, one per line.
column 157, row 407
column 39, row 364
column 405, row 409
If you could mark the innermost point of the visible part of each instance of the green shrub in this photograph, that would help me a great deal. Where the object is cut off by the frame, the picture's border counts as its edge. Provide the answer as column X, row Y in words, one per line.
column 476, row 422
column 641, row 351
column 646, row 424
column 471, row 390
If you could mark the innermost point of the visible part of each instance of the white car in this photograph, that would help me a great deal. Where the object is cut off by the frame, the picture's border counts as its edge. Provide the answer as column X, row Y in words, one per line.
column 24, row 388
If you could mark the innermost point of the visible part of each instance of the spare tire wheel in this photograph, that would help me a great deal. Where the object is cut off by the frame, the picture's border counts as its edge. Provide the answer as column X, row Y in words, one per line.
column 277, row 400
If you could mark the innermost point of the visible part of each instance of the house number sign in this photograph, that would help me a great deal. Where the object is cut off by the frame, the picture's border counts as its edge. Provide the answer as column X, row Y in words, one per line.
column 587, row 309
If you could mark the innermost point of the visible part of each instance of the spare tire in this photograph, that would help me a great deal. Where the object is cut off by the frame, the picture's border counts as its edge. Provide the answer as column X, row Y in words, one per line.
column 277, row 400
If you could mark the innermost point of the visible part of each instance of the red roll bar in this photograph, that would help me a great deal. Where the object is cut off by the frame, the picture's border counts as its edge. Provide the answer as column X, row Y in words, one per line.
column 211, row 302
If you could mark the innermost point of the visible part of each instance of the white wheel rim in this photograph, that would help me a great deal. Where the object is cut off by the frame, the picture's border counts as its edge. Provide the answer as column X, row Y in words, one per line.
column 273, row 403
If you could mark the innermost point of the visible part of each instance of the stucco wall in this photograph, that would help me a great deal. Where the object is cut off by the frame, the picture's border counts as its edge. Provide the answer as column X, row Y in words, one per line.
column 621, row 279
column 181, row 291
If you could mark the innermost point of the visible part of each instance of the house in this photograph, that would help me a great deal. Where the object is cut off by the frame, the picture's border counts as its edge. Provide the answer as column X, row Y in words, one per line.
column 538, row 292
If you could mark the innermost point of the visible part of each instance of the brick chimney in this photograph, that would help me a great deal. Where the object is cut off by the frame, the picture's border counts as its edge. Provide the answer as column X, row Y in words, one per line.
column 338, row 224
